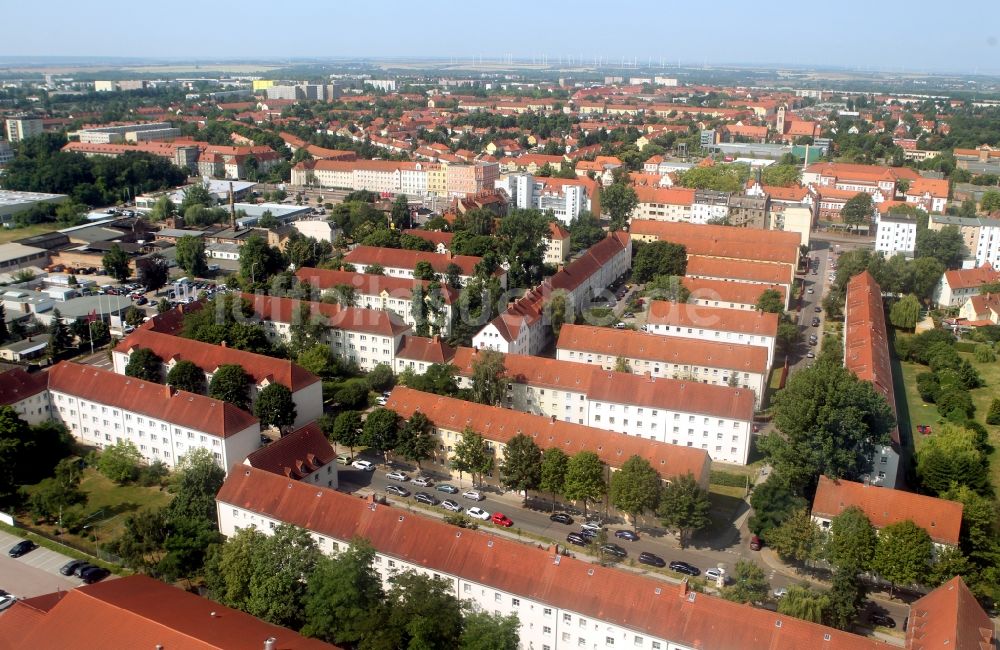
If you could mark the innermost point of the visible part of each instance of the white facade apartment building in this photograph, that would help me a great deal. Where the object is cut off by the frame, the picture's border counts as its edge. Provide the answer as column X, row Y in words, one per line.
column 306, row 388
column 383, row 292
column 565, row 200
column 708, row 362
column 895, row 234
column 560, row 602
column 401, row 263
column 366, row 337
column 101, row 408
column 689, row 321
column 957, row 286
column 23, row 127
column 716, row 419
column 663, row 204
column 27, row 394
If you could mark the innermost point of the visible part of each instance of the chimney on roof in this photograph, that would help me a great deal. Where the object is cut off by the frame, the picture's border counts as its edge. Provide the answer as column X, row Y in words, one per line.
column 223, row 344
column 553, row 419
column 168, row 390
column 683, row 591
column 270, row 643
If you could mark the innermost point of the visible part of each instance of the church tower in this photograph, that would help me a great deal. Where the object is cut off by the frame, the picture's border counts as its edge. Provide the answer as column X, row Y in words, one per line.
column 779, row 122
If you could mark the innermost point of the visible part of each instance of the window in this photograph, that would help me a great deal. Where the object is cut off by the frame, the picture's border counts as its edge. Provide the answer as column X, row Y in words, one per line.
column 515, row 602
column 547, row 611
column 392, row 563
column 609, row 641
column 467, row 588
column 496, row 597
column 638, row 640
column 567, row 618
column 546, row 629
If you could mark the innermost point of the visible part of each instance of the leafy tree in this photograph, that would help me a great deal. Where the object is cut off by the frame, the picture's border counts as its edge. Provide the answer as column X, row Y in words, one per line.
column 54, row 495
column 4, row 333
column 489, row 384
column 773, row 503
column 984, row 354
column 152, row 271
column 343, row 294
column 120, row 462
column 905, row 312
column 381, row 377
column 558, row 309
column 196, row 194
column 584, row 231
column 993, row 417
column 804, row 603
column 846, row 598
column 798, row 538
column 858, row 210
column 722, row 178
column 344, row 596
column 319, row 360
column 258, row 261
column 667, row 287
column 14, row 437
column 521, row 467
column 770, row 301
column 163, row 306
column 308, row 328
column 619, row 200
column 352, row 393
column 781, row 175
column 828, row 421
column 990, row 201
column 145, row 365
column 60, row 338
column 424, row 271
column 231, row 383
column 422, row 612
column 375, row 269
column 401, row 212
column 115, row 262
column 381, row 431
column 185, row 375
column 635, row 488
column 945, row 245
column 472, row 456
column 554, row 465
column 440, row 379
column 416, row 439
column 584, row 479
column 852, row 541
column 749, row 584
column 521, row 238
column 347, row 429
column 274, row 406
column 190, row 253
column 952, row 457
column 659, row 258
column 162, row 209
column 684, row 507
column 903, row 554
column 485, row 631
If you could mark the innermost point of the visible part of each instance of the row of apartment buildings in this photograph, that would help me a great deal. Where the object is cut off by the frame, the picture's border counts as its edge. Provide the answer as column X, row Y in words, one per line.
column 414, row 179
column 198, row 158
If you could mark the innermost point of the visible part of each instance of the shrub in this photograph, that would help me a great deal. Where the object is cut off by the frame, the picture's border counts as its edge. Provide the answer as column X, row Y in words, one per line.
column 928, row 386
column 985, row 353
column 993, row 417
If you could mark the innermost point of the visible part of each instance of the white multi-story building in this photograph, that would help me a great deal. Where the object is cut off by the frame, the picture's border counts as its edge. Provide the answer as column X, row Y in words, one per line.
column 663, row 204
column 709, row 206
column 366, row 337
column 690, row 321
column 895, row 234
column 415, row 179
column 127, row 133
column 388, row 293
column 26, row 394
column 22, row 127
column 101, row 408
column 561, row 603
column 401, row 263
column 720, row 364
column 564, row 198
column 715, row 419
column 557, row 244
column 957, row 286
column 306, row 388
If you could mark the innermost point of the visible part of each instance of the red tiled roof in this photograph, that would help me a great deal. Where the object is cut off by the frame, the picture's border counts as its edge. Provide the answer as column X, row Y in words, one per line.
column 941, row 519
column 369, row 283
column 620, row 387
column 937, row 188
column 428, row 350
column 747, row 270
column 871, row 173
column 949, row 617
column 189, row 410
column 758, row 323
column 433, row 236
column 16, row 385
column 140, row 612
column 744, row 293
column 604, row 594
column 407, row 259
column 500, row 425
column 208, row 357
column 295, row 455
column 724, row 241
column 556, row 231
column 969, row 278
column 357, row 319
column 664, row 195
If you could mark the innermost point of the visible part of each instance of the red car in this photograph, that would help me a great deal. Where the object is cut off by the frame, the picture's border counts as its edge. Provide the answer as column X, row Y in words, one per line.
column 500, row 519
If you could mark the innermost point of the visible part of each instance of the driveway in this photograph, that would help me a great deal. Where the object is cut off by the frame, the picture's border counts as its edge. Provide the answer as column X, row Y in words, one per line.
column 33, row 574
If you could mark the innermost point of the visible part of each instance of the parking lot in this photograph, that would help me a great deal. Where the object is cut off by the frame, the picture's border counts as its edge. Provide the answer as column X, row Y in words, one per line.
column 34, row 573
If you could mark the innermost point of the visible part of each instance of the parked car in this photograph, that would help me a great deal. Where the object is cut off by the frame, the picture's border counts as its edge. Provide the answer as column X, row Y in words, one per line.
column 755, row 543
column 364, row 465
column 94, row 574
column 685, row 568
column 577, row 539
column 478, row 513
column 781, row 592
column 589, row 533
column 78, row 571
column 21, row 548
column 561, row 518
column 714, row 574
column 71, row 566
column 500, row 519
column 627, row 535
column 396, row 475
column 619, row 326
column 475, row 495
column 810, row 290
column 344, row 459
column 397, row 490
column 594, row 526
column 451, row 506
column 651, row 559
column 425, row 498
column 883, row 620
column 628, row 314
column 614, row 550
column 423, row 481
column 817, row 309
column 810, row 355
column 6, row 601
column 447, row 488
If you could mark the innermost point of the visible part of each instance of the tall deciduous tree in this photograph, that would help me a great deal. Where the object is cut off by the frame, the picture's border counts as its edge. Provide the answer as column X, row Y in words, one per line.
column 618, row 201
column 798, row 538
column 684, row 506
column 846, row 598
column 521, row 467
column 773, row 503
column 585, row 479
column 422, row 612
column 554, row 465
column 858, row 210
column 120, row 462
column 905, row 312
column 659, row 258
column 770, row 301
column 344, row 596
column 144, row 364
column 485, row 631
column 381, row 431
column 185, row 375
column 416, row 439
column 952, row 457
column 115, row 263
column 749, row 583
column 59, row 336
column 152, row 271
column 903, row 554
column 230, row 383
column 635, row 488
column 274, row 406
column 804, row 603
column 472, row 456
column 489, row 383
column 852, row 541
column 347, row 429
column 191, row 255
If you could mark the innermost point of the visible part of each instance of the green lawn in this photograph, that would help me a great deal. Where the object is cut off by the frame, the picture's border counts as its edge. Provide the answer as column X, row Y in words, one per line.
column 10, row 234
column 109, row 505
column 923, row 413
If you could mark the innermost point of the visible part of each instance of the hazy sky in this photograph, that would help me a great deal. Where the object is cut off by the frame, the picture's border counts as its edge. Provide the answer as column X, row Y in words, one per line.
column 913, row 35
